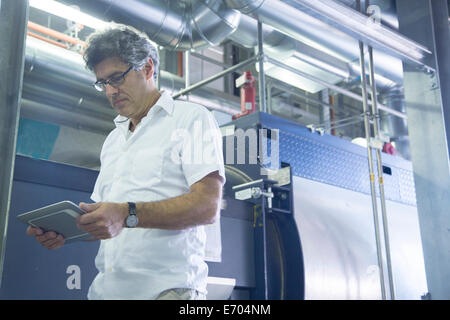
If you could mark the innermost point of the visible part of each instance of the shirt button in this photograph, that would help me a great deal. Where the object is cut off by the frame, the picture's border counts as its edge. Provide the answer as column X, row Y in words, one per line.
column 110, row 269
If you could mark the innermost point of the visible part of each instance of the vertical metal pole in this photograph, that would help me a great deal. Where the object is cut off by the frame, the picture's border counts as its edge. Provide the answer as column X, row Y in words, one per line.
column 269, row 97
column 187, row 81
column 324, row 112
column 376, row 125
column 370, row 162
column 262, row 79
column 13, row 20
column 264, row 244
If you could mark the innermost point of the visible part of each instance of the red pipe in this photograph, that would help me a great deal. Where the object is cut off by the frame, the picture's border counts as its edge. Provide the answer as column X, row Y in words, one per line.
column 56, row 43
column 55, row 34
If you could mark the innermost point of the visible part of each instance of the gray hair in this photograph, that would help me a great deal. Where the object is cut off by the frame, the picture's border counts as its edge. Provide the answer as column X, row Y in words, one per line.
column 124, row 42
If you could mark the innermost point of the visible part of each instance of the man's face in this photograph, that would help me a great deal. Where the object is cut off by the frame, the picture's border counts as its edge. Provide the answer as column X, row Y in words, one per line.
column 131, row 98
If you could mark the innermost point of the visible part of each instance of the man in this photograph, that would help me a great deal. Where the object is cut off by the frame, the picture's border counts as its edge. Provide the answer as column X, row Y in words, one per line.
column 156, row 188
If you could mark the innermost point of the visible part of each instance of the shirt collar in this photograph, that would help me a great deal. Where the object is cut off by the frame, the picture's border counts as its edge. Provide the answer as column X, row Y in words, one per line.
column 164, row 102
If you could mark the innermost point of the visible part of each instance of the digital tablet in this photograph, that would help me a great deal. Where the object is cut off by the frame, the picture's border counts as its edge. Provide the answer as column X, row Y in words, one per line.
column 58, row 217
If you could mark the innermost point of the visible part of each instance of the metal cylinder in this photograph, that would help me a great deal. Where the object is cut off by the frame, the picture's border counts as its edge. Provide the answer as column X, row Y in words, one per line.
column 380, row 173
column 56, row 76
column 178, row 25
column 261, row 75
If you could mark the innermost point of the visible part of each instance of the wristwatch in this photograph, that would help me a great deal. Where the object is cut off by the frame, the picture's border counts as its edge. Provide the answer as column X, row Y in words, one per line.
column 132, row 219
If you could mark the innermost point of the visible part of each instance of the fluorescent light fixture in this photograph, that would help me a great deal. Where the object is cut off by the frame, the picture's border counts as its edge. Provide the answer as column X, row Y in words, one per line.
column 58, row 9
column 297, row 80
column 321, row 65
column 358, row 23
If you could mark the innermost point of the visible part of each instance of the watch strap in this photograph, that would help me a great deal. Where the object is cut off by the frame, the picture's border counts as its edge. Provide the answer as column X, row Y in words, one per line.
column 132, row 220
column 131, row 208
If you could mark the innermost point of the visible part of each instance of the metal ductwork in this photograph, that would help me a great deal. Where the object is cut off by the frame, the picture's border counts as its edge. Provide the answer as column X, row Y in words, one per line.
column 335, row 47
column 306, row 20
column 289, row 33
column 179, row 25
column 57, row 89
column 184, row 25
column 309, row 59
column 57, row 77
column 388, row 10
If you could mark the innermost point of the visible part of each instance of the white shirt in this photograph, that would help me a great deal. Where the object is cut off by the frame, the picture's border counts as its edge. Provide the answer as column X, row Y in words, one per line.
column 175, row 145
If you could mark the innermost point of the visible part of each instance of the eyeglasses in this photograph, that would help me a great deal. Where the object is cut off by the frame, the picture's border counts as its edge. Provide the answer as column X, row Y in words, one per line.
column 114, row 82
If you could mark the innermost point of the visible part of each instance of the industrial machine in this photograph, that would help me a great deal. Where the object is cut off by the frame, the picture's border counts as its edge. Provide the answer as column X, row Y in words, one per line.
column 296, row 222
column 313, row 224
column 301, row 214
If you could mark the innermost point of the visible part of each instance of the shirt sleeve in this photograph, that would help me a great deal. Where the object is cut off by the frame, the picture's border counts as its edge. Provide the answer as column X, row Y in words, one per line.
column 203, row 154
column 95, row 196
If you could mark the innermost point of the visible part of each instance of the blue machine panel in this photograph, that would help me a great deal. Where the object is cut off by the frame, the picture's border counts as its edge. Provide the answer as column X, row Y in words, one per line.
column 336, row 161
column 31, row 271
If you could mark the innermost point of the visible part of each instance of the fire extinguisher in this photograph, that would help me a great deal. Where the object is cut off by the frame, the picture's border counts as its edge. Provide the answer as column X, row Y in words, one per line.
column 248, row 93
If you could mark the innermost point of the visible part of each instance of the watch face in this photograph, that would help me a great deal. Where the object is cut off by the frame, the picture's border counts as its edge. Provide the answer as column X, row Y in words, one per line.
column 132, row 221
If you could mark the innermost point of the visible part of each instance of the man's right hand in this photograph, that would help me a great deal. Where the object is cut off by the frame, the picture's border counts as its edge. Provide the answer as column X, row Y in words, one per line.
column 50, row 239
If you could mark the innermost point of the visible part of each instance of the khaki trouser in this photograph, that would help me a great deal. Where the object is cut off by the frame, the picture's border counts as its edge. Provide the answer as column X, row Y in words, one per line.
column 181, row 294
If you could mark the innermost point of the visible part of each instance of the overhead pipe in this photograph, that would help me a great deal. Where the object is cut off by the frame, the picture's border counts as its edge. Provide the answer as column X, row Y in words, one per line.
column 185, row 25
column 387, row 11
column 304, row 27
column 316, row 20
column 55, row 34
column 157, row 24
column 62, row 74
column 331, row 86
column 190, row 88
column 177, row 25
column 37, row 36
column 57, row 114
column 277, row 43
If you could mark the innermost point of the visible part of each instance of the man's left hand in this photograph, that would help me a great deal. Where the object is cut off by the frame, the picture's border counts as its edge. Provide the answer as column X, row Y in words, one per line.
column 103, row 220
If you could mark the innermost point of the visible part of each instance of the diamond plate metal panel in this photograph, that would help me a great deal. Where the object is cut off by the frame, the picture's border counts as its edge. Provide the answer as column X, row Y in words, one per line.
column 324, row 159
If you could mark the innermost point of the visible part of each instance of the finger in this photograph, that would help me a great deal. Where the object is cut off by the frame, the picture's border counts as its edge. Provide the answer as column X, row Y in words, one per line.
column 92, row 228
column 89, row 207
column 49, row 242
column 88, row 218
column 46, row 236
column 54, row 243
column 100, row 234
column 33, row 231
